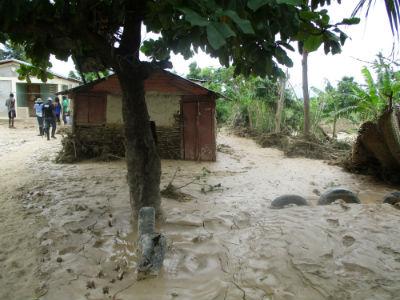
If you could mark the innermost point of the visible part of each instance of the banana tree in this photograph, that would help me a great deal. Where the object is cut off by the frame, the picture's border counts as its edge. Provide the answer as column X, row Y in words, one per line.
column 376, row 96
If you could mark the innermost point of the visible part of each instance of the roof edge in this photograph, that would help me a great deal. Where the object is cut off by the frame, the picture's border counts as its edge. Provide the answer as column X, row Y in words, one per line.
column 17, row 61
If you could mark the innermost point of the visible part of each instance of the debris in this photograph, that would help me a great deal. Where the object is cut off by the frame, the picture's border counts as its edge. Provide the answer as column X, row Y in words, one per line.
column 100, row 274
column 59, row 259
column 173, row 192
column 121, row 275
column 106, row 290
column 316, row 192
column 211, row 188
column 90, row 284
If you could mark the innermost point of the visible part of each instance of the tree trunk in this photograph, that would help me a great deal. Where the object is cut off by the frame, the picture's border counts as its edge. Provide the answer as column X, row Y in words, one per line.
column 334, row 135
column 143, row 162
column 279, row 105
column 306, row 96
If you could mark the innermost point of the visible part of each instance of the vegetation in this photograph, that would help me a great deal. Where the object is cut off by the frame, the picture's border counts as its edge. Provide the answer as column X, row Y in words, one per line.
column 89, row 76
column 251, row 102
column 12, row 50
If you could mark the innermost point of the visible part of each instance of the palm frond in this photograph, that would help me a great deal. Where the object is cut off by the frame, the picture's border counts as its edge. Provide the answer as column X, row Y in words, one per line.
column 392, row 10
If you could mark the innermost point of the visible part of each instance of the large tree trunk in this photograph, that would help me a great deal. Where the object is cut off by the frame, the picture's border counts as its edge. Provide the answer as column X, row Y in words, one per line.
column 143, row 162
column 306, row 95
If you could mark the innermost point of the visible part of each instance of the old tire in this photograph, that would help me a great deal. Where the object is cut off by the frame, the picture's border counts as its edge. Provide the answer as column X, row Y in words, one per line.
column 282, row 201
column 338, row 193
column 392, row 198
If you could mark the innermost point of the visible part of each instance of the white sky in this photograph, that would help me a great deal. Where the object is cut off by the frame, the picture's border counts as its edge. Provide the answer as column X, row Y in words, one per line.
column 367, row 39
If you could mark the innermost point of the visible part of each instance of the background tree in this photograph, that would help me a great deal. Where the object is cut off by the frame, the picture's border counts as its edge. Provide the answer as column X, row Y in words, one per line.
column 251, row 102
column 9, row 50
column 311, row 39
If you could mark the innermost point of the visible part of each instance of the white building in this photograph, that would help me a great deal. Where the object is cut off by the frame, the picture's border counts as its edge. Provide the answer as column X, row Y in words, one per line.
column 25, row 93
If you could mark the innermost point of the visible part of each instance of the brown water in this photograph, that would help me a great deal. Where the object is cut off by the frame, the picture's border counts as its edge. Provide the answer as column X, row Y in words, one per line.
column 223, row 244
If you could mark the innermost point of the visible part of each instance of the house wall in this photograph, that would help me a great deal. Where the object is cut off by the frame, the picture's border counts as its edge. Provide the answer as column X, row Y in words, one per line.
column 9, row 84
column 163, row 109
column 5, row 89
column 114, row 109
column 8, row 70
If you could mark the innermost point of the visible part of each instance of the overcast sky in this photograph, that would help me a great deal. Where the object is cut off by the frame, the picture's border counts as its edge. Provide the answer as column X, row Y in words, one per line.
column 367, row 39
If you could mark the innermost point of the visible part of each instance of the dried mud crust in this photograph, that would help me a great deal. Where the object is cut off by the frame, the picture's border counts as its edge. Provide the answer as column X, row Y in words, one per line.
column 216, row 243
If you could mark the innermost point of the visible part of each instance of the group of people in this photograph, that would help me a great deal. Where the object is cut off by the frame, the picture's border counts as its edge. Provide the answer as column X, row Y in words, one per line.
column 48, row 114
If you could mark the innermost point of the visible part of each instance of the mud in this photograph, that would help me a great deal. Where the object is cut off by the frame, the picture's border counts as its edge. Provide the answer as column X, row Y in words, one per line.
column 65, row 230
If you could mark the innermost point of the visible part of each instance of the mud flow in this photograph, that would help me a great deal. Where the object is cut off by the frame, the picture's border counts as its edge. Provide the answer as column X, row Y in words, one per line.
column 66, row 230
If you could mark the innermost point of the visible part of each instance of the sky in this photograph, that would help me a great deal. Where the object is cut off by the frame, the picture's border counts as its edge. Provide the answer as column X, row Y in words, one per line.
column 371, row 36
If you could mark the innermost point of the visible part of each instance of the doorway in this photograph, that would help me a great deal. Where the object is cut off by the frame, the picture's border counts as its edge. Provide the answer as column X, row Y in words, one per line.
column 198, row 129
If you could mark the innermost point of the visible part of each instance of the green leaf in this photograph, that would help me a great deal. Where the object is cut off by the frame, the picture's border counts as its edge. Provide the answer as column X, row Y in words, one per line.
column 325, row 19
column 309, row 15
column 224, row 29
column 214, row 37
column 290, row 2
column 193, row 17
column 350, row 21
column 312, row 43
column 256, row 4
column 286, row 45
column 343, row 38
column 243, row 24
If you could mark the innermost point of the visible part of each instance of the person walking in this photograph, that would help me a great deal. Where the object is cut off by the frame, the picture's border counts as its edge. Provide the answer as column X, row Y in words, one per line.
column 49, row 119
column 57, row 109
column 65, row 109
column 10, row 103
column 38, row 107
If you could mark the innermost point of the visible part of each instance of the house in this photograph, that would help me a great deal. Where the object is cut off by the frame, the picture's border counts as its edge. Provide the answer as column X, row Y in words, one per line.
column 25, row 93
column 182, row 111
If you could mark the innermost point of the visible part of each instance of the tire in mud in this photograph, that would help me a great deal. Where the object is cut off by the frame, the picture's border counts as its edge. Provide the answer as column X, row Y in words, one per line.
column 282, row 201
column 392, row 198
column 338, row 193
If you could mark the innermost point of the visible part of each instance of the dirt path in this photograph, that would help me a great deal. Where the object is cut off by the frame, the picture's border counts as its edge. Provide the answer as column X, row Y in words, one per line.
column 66, row 233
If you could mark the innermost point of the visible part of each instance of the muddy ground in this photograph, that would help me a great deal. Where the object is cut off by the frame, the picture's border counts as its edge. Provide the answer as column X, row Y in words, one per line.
column 65, row 230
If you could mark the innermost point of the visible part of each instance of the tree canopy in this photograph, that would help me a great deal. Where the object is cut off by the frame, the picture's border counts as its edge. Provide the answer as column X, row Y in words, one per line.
column 251, row 35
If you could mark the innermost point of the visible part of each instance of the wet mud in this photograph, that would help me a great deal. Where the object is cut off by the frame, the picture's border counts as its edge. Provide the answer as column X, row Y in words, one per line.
column 66, row 230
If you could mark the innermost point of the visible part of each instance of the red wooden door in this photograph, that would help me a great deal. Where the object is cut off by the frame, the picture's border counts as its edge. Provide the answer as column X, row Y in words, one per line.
column 198, row 130
column 206, row 137
column 189, row 130
column 90, row 109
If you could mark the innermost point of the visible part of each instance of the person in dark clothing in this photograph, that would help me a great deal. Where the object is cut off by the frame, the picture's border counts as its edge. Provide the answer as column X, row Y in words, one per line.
column 49, row 119
column 10, row 103
column 57, row 109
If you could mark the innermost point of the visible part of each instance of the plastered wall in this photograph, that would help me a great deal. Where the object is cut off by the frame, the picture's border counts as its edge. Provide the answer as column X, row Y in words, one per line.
column 162, row 108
